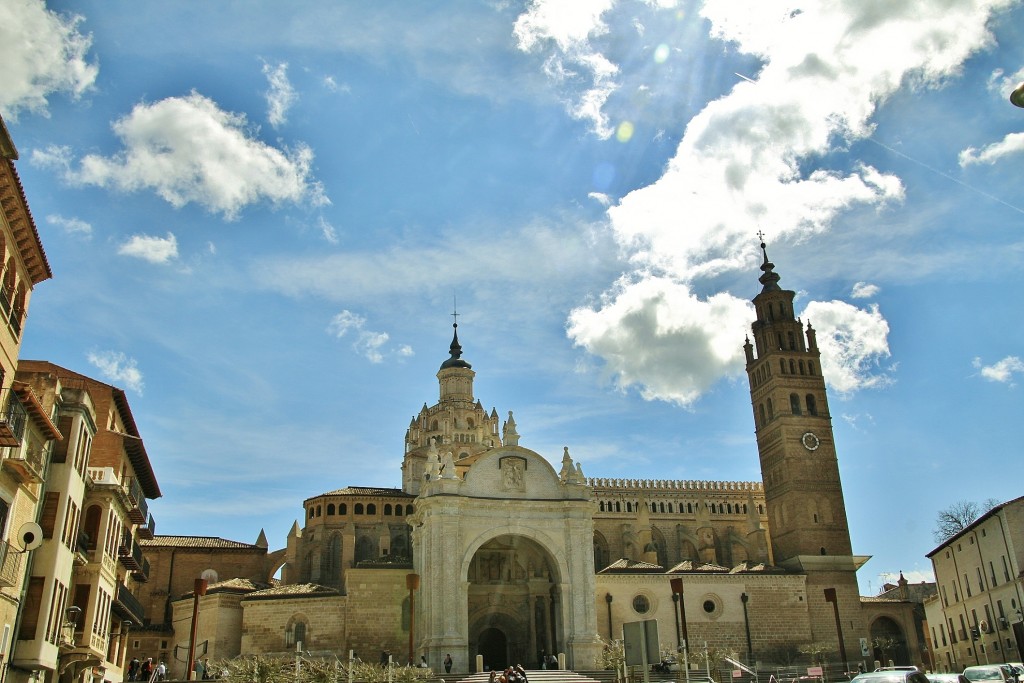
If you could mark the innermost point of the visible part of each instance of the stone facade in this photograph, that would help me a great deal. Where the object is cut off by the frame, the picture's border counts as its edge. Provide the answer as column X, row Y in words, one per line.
column 513, row 554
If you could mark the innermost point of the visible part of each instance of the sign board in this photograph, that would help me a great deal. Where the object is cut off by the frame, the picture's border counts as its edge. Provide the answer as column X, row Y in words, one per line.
column 640, row 642
column 815, row 671
column 736, row 673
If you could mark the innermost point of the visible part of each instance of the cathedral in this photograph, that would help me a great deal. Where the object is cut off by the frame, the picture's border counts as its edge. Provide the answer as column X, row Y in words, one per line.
column 496, row 554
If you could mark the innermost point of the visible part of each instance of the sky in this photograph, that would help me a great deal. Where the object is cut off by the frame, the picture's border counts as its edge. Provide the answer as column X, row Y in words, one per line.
column 260, row 217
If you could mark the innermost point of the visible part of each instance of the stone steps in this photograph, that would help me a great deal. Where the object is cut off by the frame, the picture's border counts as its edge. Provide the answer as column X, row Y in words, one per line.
column 541, row 676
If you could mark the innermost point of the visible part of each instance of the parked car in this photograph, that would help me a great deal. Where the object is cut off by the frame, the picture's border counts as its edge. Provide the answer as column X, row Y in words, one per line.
column 893, row 675
column 947, row 678
column 999, row 673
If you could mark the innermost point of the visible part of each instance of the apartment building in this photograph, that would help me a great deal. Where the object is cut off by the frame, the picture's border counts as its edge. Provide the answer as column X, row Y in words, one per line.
column 83, row 584
column 977, row 616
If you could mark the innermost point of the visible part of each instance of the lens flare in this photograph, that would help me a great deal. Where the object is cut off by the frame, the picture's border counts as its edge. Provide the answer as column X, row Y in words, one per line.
column 624, row 132
column 661, row 54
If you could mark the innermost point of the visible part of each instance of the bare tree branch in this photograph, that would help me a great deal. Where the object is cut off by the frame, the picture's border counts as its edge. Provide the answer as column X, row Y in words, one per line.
column 952, row 520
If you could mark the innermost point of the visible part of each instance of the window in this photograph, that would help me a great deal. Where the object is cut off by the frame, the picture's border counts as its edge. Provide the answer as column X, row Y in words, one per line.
column 371, row 509
column 771, row 410
column 812, row 406
column 794, row 404
column 408, row 509
column 359, row 508
column 330, row 509
column 342, row 509
column 641, row 604
column 387, row 509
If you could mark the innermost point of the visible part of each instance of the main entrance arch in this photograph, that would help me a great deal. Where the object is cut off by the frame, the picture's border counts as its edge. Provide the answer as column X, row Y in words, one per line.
column 512, row 602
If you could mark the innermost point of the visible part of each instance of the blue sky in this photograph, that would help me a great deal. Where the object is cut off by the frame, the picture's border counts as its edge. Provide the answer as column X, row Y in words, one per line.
column 258, row 215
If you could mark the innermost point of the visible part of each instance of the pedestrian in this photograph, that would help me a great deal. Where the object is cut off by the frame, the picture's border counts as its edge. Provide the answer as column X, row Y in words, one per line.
column 146, row 671
column 133, row 669
column 161, row 671
column 448, row 663
column 423, row 662
column 207, row 674
column 200, row 670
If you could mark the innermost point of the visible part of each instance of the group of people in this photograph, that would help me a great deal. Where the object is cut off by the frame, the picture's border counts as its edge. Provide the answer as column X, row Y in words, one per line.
column 146, row 671
column 513, row 674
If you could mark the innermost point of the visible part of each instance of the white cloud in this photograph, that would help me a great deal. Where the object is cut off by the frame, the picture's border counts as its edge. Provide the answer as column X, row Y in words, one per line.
column 281, row 95
column 332, row 85
column 72, row 226
column 327, row 230
column 42, row 53
column 187, row 149
column 742, row 161
column 568, row 25
column 118, row 368
column 864, row 290
column 366, row 343
column 1001, row 371
column 1013, row 143
column 152, row 249
column 853, row 343
column 656, row 335
column 1002, row 85
column 56, row 157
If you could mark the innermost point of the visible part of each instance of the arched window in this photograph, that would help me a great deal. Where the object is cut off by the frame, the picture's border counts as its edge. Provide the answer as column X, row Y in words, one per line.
column 801, row 367
column 342, row 509
column 618, row 506
column 359, row 508
column 810, row 368
column 319, row 511
column 371, row 509
column 408, row 509
column 794, row 404
column 771, row 410
column 663, row 507
column 387, row 509
column 312, row 511
column 92, row 525
column 792, row 367
column 330, row 509
column 689, row 508
column 761, row 411
column 812, row 406
column 823, row 551
column 760, row 509
column 782, row 365
column 792, row 341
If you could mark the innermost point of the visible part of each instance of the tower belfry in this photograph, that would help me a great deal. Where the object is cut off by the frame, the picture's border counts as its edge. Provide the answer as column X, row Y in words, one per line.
column 796, row 448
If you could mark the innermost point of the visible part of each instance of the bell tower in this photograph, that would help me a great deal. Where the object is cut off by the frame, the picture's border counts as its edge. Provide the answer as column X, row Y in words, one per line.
column 799, row 468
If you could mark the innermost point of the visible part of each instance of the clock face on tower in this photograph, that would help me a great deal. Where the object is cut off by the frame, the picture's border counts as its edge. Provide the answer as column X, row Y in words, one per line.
column 810, row 441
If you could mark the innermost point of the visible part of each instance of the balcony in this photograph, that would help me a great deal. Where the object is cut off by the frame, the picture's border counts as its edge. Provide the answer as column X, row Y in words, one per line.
column 129, row 552
column 138, row 507
column 148, row 529
column 127, row 606
column 142, row 574
column 26, row 464
column 12, row 420
column 82, row 550
column 10, row 565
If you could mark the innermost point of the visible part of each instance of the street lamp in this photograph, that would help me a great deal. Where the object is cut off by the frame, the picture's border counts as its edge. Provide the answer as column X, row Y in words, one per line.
column 412, row 582
column 1017, row 96
column 608, row 599
column 746, row 623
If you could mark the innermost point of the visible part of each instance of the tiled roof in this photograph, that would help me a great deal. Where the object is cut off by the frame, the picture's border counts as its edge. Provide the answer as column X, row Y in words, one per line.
column 297, row 590
column 238, row 584
column 212, row 542
column 366, row 491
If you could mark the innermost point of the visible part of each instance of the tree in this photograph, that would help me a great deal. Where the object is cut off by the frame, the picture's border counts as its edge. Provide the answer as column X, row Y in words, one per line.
column 952, row 520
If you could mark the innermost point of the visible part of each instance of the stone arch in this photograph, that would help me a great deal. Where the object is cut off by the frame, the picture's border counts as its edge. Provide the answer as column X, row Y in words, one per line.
column 660, row 546
column 886, row 631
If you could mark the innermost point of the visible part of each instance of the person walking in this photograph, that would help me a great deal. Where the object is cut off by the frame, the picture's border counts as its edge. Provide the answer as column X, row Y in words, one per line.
column 448, row 663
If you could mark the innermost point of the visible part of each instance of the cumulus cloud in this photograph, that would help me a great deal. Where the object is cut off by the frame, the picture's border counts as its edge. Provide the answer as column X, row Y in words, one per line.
column 281, row 95
column 72, row 226
column 1002, row 371
column 853, row 342
column 864, row 290
column 365, row 342
column 990, row 154
column 43, row 53
column 754, row 157
column 656, row 335
column 152, row 249
column 119, row 368
column 187, row 149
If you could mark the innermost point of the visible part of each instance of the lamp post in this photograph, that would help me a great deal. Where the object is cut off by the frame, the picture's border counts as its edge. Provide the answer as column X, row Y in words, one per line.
column 746, row 623
column 677, row 589
column 830, row 596
column 198, row 591
column 608, row 600
column 412, row 582
column 679, row 635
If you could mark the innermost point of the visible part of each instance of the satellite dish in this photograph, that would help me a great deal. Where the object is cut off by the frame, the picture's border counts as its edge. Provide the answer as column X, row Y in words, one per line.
column 30, row 535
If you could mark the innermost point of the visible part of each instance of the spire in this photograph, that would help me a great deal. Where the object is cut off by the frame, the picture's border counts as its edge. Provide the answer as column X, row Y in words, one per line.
column 455, row 349
column 770, row 279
